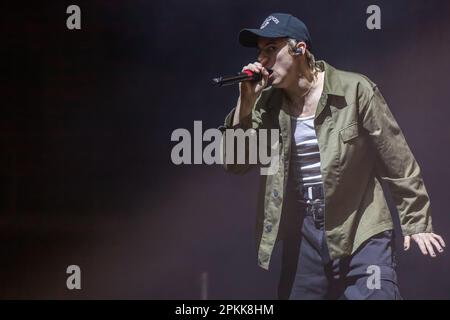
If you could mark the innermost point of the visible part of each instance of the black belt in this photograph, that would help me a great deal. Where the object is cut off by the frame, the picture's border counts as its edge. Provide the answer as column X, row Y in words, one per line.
column 316, row 210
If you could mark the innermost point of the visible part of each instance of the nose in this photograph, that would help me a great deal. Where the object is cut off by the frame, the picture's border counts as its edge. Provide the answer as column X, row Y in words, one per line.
column 263, row 60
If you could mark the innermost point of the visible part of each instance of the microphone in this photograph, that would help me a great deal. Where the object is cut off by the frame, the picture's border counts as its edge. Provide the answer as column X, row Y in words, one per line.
column 246, row 75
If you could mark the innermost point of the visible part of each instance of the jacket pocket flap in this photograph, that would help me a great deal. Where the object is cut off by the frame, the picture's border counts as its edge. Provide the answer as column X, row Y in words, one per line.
column 350, row 132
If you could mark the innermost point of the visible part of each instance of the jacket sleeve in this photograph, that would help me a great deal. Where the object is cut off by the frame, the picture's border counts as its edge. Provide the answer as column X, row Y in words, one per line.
column 397, row 166
column 252, row 121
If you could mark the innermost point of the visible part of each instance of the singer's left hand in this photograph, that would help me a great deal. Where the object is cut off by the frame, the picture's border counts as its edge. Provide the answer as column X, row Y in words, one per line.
column 426, row 241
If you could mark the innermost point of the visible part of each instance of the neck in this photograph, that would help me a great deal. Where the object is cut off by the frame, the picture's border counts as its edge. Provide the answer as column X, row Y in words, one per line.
column 302, row 97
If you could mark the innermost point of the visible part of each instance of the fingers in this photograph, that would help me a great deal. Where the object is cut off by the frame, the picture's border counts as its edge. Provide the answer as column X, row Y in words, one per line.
column 439, row 238
column 256, row 67
column 406, row 243
column 254, row 88
column 427, row 242
column 429, row 246
column 436, row 244
column 263, row 70
column 421, row 244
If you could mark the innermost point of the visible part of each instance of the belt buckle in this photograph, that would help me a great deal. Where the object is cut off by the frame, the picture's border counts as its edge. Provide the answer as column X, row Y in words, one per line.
column 313, row 211
column 313, row 192
column 310, row 192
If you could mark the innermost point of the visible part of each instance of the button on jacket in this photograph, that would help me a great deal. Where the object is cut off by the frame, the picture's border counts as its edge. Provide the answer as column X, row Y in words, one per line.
column 361, row 145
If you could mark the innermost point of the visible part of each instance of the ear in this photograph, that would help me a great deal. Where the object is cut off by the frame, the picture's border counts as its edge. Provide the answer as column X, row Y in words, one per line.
column 300, row 48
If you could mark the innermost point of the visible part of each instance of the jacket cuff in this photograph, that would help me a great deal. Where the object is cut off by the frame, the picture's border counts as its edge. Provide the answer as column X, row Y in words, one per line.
column 417, row 228
column 245, row 124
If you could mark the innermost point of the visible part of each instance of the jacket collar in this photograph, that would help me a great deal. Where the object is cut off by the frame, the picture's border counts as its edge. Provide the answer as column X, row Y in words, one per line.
column 332, row 86
column 332, row 82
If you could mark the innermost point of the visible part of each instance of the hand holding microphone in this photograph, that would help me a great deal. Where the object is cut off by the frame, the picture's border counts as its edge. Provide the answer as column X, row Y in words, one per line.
column 252, row 79
column 252, row 89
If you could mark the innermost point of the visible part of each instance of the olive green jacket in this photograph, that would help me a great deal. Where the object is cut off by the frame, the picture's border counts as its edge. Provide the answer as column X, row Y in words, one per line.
column 360, row 146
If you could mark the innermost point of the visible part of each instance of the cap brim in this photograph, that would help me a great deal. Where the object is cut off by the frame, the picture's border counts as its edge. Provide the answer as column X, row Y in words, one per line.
column 249, row 37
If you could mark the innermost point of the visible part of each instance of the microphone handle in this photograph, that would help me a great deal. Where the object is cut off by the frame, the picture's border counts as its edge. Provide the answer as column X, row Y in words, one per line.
column 241, row 76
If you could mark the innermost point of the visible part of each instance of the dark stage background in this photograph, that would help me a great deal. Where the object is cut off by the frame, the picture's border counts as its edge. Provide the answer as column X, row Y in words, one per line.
column 86, row 121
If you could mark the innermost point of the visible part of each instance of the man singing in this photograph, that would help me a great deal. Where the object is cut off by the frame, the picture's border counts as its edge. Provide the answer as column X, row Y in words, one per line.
column 338, row 143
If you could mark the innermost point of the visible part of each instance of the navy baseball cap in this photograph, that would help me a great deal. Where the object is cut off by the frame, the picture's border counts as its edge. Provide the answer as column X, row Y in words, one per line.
column 277, row 25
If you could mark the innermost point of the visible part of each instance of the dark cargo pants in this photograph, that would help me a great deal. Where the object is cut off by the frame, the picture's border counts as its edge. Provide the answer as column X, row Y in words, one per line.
column 367, row 274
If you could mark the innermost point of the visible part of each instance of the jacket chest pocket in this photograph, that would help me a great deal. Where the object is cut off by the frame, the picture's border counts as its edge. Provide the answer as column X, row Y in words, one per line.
column 353, row 149
column 349, row 133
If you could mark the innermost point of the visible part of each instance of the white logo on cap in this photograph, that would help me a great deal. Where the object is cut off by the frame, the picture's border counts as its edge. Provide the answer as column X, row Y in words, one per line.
column 268, row 19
